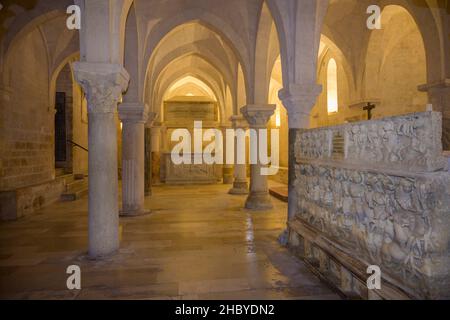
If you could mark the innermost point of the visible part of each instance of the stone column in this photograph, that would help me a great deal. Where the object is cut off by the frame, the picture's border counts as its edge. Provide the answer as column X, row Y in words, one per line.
column 148, row 162
column 439, row 97
column 257, row 116
column 240, row 185
column 103, row 84
column 134, row 117
column 298, row 101
column 227, row 169
column 156, row 153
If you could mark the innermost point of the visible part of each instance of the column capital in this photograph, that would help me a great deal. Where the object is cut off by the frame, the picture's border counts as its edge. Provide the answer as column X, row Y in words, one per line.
column 258, row 115
column 103, row 84
column 299, row 99
column 133, row 113
column 443, row 84
column 239, row 122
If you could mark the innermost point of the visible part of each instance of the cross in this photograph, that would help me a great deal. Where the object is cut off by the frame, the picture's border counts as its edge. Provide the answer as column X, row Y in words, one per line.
column 369, row 108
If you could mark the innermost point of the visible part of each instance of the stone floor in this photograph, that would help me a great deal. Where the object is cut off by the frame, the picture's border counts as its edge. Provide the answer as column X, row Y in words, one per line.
column 198, row 243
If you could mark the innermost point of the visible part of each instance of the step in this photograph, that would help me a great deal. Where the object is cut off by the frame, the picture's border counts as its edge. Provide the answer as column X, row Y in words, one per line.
column 75, row 184
column 279, row 192
column 75, row 194
column 59, row 172
column 68, row 178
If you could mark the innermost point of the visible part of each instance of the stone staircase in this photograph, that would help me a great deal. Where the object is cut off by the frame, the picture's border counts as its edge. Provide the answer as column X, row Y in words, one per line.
column 76, row 186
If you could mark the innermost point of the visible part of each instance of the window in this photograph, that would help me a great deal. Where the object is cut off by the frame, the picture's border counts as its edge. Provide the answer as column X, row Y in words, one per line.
column 332, row 94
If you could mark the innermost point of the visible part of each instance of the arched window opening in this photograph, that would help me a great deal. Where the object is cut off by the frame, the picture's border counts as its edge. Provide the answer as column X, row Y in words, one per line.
column 332, row 91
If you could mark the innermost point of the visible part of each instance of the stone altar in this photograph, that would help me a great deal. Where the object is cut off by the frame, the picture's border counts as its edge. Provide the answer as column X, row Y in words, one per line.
column 375, row 193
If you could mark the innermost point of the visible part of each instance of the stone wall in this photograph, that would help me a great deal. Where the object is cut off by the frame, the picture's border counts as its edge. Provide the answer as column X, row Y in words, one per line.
column 375, row 193
column 27, row 127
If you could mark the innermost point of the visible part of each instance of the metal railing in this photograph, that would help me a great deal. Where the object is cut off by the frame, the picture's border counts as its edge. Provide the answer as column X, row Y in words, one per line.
column 77, row 145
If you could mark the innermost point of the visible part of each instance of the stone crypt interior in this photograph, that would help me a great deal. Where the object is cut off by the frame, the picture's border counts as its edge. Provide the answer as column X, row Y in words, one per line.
column 86, row 175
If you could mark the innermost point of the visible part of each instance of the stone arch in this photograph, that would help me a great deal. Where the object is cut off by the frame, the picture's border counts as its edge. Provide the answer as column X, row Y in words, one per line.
column 397, row 56
column 131, row 54
column 267, row 51
column 189, row 50
column 426, row 24
column 18, row 32
column 277, row 12
column 164, row 81
column 208, row 20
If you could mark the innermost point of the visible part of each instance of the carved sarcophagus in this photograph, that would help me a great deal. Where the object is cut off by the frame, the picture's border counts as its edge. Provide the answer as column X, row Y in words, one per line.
column 191, row 173
column 381, row 197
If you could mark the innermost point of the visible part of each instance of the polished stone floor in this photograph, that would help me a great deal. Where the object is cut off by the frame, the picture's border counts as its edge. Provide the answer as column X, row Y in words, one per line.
column 198, row 243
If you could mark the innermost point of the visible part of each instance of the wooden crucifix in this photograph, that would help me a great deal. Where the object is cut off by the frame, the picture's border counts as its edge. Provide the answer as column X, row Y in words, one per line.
column 369, row 108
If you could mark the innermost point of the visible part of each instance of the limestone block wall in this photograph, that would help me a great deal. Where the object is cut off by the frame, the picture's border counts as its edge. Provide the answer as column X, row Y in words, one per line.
column 27, row 126
column 375, row 193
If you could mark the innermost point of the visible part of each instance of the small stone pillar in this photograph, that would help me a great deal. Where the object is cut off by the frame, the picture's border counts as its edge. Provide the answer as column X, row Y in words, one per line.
column 103, row 84
column 240, row 185
column 257, row 116
column 156, row 153
column 227, row 169
column 134, row 117
column 148, row 162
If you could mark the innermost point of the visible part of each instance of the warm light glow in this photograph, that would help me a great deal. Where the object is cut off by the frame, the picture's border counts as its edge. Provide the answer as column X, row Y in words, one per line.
column 190, row 94
column 121, row 126
column 277, row 117
column 189, row 80
column 332, row 94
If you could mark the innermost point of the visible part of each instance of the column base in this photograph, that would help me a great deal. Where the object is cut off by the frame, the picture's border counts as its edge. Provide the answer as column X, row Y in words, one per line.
column 228, row 179
column 239, row 188
column 133, row 213
column 258, row 201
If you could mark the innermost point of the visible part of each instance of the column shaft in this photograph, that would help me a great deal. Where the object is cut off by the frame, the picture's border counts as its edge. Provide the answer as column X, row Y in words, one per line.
column 103, row 84
column 103, row 185
column 148, row 162
column 257, row 117
column 132, row 168
column 134, row 117
column 240, row 185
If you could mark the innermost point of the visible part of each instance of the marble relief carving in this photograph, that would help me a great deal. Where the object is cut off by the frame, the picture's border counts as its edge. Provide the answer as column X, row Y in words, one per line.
column 411, row 142
column 397, row 219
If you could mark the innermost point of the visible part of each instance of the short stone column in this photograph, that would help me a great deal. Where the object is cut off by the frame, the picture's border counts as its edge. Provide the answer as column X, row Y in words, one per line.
column 103, row 84
column 156, row 153
column 240, row 184
column 298, row 101
column 227, row 169
column 148, row 162
column 257, row 116
column 134, row 117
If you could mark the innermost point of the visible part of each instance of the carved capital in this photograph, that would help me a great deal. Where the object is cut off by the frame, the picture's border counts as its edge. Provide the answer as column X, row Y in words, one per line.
column 103, row 84
column 134, row 113
column 258, row 115
column 299, row 101
column 239, row 122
